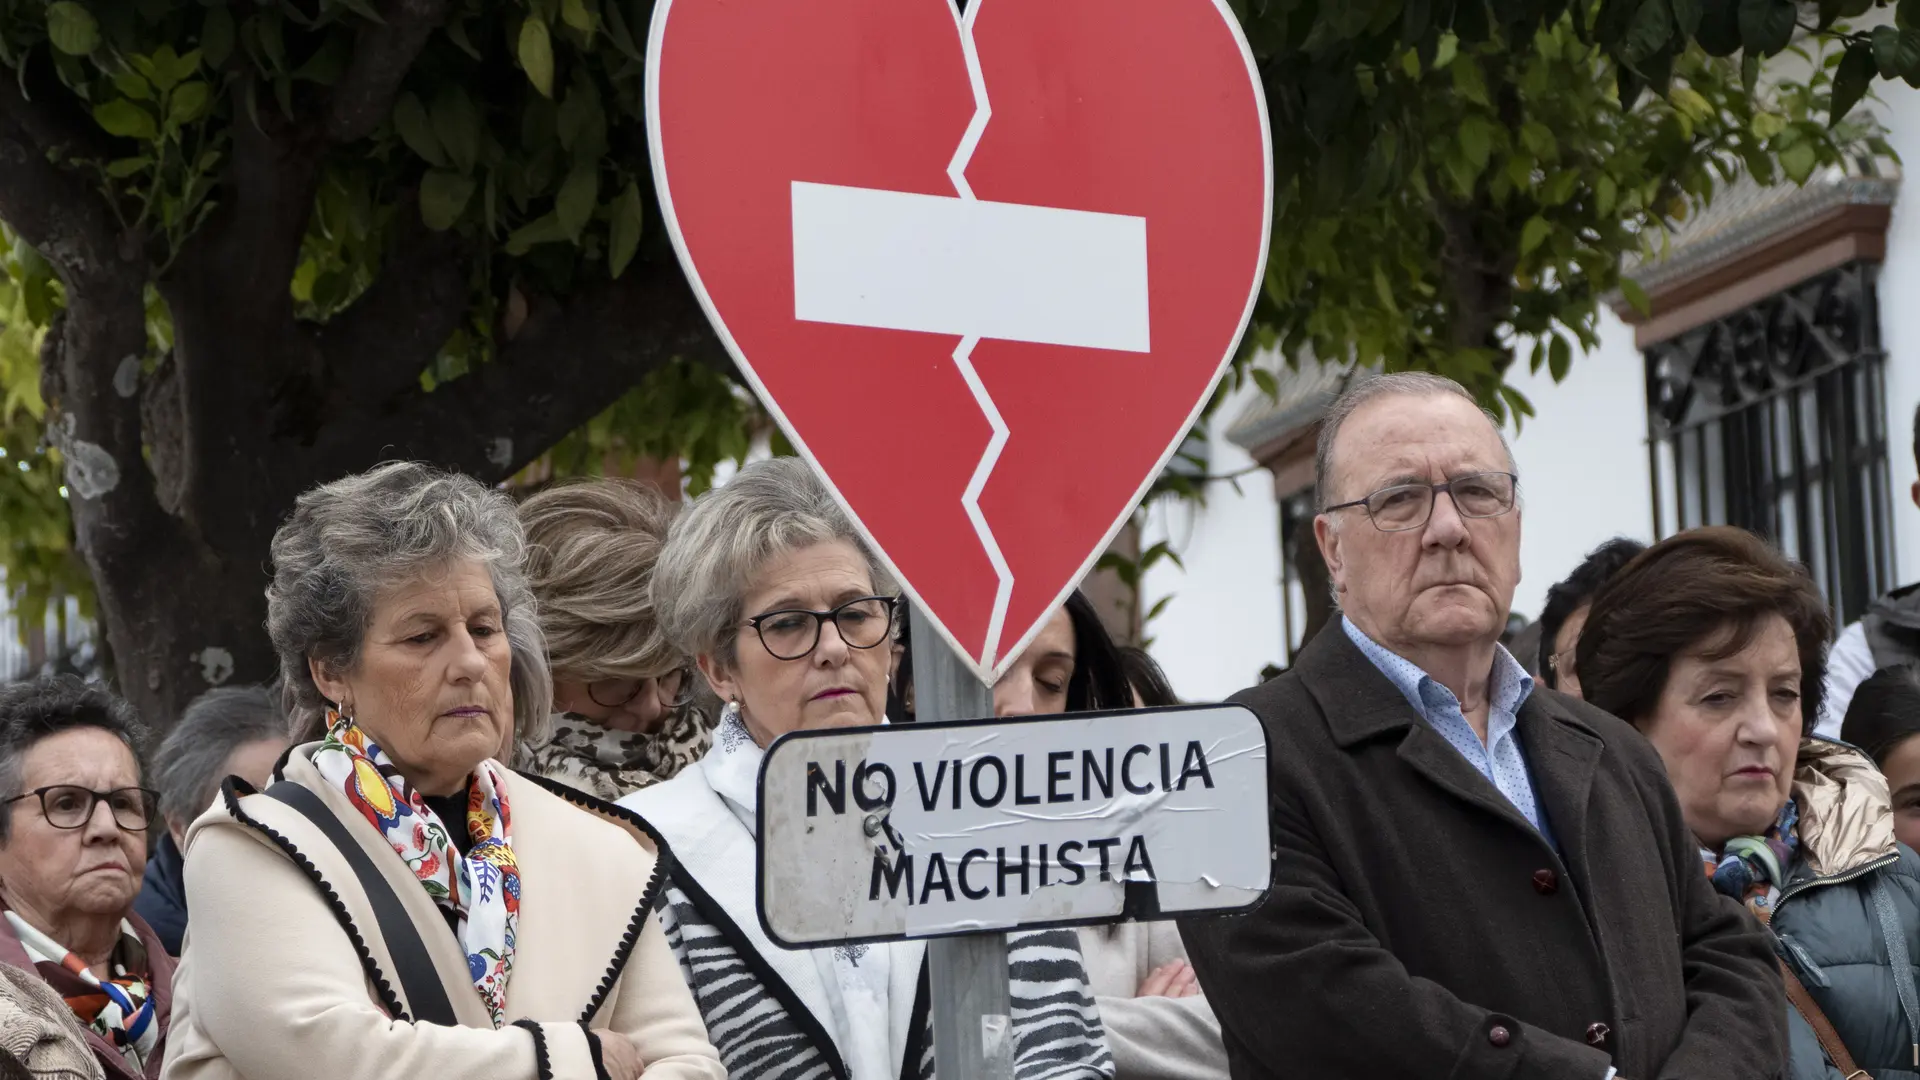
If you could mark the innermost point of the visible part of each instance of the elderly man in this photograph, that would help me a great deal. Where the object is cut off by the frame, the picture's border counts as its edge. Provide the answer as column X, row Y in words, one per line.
column 1469, row 879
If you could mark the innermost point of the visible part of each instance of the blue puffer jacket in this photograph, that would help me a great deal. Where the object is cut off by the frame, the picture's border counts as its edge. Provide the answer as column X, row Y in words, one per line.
column 1848, row 920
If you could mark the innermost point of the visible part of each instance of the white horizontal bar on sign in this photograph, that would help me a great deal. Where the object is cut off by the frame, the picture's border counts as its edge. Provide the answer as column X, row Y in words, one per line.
column 896, row 260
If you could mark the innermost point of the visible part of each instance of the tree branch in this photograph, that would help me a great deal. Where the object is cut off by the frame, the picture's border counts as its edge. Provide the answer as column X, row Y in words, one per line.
column 379, row 346
column 381, row 56
column 569, row 362
column 54, row 209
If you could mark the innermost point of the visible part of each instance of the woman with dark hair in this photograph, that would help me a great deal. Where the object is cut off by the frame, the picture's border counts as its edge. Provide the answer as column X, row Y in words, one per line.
column 1713, row 644
column 1566, row 611
column 1882, row 719
column 1159, row 1025
column 1150, row 686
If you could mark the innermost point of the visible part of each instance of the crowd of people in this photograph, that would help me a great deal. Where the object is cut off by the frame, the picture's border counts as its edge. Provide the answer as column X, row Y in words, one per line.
column 497, row 815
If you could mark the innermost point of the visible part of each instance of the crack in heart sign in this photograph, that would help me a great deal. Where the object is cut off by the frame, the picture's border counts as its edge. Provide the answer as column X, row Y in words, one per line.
column 984, row 270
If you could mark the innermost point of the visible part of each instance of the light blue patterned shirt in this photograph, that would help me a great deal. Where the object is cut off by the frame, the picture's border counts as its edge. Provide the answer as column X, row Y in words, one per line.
column 1500, row 759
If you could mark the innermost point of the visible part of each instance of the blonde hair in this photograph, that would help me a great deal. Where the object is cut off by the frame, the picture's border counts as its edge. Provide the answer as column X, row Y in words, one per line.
column 591, row 546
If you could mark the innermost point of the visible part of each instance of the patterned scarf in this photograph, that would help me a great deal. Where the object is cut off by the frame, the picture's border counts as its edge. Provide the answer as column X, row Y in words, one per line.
column 609, row 764
column 119, row 1010
column 483, row 886
column 1751, row 869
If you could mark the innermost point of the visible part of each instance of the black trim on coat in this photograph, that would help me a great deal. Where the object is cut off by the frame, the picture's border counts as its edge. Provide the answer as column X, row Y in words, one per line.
column 595, row 1050
column 663, row 865
column 920, row 1026
column 803, row 1018
column 230, row 791
column 540, row 1059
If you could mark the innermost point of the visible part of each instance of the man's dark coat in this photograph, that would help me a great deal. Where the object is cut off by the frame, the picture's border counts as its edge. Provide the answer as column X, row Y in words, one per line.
column 1420, row 928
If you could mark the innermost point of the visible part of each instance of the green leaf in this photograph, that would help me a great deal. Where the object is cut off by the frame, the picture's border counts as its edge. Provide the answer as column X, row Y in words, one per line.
column 575, row 14
column 126, row 167
column 416, row 130
column 126, row 119
column 1383, row 289
column 443, row 198
column 1766, row 26
column 1798, row 160
column 1765, row 125
column 1559, row 358
column 132, row 85
column 188, row 102
column 159, row 68
column 1850, row 82
column 216, row 36
column 71, row 28
column 542, row 230
column 576, row 200
column 1636, row 297
column 536, row 55
column 624, row 231
column 1268, row 383
column 456, row 124
column 1533, row 234
column 1687, row 15
column 1605, row 191
column 1749, row 72
column 1897, row 52
column 1476, row 141
column 1652, row 26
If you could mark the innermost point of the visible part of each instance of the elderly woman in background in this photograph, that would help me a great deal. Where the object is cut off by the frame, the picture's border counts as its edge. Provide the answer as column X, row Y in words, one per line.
column 765, row 582
column 399, row 903
column 1712, row 644
column 1882, row 719
column 228, row 731
column 74, row 815
column 624, row 710
column 1158, row 1023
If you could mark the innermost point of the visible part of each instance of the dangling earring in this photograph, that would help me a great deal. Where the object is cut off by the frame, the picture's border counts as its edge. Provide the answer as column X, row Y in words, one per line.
column 730, row 712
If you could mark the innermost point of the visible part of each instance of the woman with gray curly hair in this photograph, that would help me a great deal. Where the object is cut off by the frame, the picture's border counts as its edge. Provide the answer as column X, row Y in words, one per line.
column 789, row 617
column 625, row 715
column 398, row 902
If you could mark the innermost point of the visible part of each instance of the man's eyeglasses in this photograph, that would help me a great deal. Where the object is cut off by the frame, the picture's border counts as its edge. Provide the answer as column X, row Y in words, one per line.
column 69, row 806
column 790, row 634
column 613, row 693
column 1409, row 506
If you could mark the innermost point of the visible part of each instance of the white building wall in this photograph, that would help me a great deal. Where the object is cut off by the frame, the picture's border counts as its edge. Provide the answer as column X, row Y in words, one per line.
column 1900, row 324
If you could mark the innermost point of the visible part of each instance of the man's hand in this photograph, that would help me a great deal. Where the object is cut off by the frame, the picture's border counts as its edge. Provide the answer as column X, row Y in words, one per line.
column 618, row 1057
column 1173, row 979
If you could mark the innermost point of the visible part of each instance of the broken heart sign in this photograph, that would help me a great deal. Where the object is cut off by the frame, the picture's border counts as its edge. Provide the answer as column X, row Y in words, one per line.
column 985, row 271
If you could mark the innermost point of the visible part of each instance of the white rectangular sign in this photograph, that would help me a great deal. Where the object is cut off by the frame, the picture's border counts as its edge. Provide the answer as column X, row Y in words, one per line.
column 899, row 260
column 927, row 830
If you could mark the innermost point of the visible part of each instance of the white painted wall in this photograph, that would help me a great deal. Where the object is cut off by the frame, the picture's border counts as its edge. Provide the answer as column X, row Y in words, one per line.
column 1223, row 624
column 1584, row 475
column 1900, row 324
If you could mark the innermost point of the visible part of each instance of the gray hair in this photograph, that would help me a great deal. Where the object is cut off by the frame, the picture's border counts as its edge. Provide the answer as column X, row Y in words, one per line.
column 348, row 541
column 186, row 767
column 37, row 708
column 717, row 548
column 1370, row 387
column 591, row 547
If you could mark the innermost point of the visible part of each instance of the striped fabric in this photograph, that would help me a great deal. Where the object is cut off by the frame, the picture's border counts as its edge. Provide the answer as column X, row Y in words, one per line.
column 1056, row 1026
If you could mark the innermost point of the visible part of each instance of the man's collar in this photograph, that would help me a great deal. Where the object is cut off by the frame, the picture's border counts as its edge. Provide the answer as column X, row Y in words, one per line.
column 1507, row 688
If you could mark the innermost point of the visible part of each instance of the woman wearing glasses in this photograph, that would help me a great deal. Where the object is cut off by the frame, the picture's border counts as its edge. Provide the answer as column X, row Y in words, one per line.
column 789, row 618
column 73, row 843
column 624, row 712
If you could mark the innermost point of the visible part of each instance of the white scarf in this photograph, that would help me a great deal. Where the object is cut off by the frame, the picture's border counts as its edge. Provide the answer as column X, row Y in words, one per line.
column 856, row 976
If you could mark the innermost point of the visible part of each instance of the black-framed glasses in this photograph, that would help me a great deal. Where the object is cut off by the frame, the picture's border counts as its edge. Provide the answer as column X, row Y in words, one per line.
column 792, row 633
column 614, row 693
column 70, row 806
column 1409, row 506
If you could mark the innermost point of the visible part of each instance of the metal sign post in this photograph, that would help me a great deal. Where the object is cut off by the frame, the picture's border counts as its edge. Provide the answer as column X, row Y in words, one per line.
column 972, row 1016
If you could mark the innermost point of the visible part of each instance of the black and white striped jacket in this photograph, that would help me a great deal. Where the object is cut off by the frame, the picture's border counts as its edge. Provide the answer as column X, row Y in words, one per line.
column 762, row 1003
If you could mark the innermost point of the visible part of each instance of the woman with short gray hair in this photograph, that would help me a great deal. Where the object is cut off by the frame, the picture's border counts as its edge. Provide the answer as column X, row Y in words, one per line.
column 227, row 731
column 411, row 905
column 789, row 618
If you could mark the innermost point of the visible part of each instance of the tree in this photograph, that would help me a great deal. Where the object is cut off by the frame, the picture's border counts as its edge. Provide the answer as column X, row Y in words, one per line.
column 263, row 245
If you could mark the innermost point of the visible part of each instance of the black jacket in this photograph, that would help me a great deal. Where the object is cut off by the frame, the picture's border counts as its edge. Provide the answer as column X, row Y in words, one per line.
column 1419, row 928
column 163, row 894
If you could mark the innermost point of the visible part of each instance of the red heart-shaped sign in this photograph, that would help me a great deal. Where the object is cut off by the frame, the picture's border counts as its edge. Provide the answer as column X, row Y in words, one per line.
column 985, row 271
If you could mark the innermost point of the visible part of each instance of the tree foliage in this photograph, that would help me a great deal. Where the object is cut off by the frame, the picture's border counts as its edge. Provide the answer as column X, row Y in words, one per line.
column 253, row 246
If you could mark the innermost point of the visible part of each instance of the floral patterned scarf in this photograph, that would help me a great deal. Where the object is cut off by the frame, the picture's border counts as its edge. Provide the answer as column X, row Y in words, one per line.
column 119, row 1010
column 483, row 886
column 609, row 764
column 1751, row 869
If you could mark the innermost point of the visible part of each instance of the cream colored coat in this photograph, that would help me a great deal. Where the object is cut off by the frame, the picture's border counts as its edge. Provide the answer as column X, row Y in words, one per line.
column 1152, row 1038
column 274, row 984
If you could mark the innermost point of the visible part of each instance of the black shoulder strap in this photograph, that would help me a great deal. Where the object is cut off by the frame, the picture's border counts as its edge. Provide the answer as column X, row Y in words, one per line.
column 425, row 994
